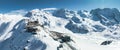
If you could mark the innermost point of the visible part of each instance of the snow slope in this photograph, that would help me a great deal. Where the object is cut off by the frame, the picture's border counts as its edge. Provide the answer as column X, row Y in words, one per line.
column 86, row 29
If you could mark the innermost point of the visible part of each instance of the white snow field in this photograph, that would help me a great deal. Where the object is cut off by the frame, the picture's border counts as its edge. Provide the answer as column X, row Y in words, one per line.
column 61, row 29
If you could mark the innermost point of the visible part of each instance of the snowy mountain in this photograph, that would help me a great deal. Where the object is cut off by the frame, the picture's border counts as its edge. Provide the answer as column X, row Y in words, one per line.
column 106, row 16
column 61, row 29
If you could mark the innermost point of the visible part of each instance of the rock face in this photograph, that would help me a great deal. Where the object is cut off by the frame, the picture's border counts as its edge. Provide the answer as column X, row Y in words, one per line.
column 84, row 13
column 77, row 28
column 64, row 13
column 106, row 16
column 29, row 14
column 98, row 28
column 106, row 42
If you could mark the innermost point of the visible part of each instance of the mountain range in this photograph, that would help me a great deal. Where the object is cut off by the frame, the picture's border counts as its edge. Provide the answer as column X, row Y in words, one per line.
column 86, row 29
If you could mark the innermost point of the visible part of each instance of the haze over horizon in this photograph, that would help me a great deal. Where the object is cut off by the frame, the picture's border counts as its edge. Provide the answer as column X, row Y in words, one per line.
column 10, row 5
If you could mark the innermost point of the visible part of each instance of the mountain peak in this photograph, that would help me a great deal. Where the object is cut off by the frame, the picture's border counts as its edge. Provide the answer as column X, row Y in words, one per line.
column 64, row 13
column 107, row 16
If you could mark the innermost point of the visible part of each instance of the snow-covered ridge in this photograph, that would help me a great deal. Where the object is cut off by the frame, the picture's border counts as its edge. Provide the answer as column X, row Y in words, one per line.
column 107, row 16
column 85, row 29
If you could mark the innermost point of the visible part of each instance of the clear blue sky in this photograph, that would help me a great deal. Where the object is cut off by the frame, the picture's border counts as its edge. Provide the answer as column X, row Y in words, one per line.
column 9, row 5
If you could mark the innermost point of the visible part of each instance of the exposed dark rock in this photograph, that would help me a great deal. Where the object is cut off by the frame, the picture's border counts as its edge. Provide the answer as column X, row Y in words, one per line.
column 106, row 42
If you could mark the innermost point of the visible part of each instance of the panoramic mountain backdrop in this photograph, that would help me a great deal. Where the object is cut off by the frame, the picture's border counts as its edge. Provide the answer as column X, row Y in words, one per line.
column 60, row 29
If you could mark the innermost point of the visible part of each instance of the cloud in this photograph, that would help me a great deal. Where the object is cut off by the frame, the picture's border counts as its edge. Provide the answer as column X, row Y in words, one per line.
column 49, row 9
column 17, row 12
